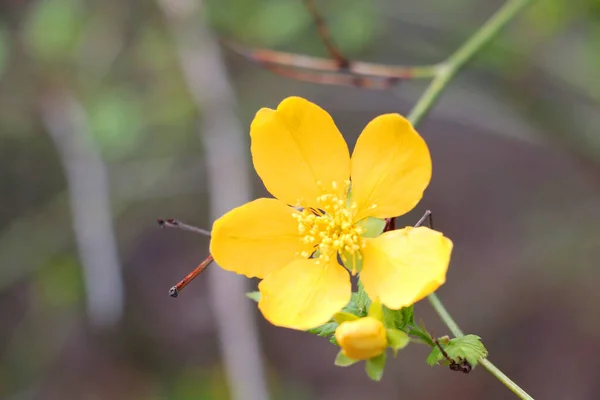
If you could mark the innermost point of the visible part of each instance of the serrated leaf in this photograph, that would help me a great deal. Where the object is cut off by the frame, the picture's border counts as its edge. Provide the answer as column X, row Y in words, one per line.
column 376, row 311
column 434, row 357
column 469, row 348
column 254, row 296
column 397, row 339
column 325, row 329
column 375, row 366
column 344, row 361
column 343, row 316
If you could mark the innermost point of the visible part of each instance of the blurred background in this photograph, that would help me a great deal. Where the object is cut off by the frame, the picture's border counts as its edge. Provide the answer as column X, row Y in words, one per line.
column 115, row 113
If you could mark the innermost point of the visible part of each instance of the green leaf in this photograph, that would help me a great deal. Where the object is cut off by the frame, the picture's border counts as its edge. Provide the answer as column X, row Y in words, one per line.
column 434, row 357
column 363, row 302
column 352, row 307
column 344, row 361
column 375, row 367
column 397, row 339
column 342, row 316
column 325, row 329
column 254, row 296
column 376, row 311
column 469, row 348
column 333, row 340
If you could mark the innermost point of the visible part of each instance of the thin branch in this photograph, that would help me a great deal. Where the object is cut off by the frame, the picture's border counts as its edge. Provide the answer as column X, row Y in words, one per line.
column 341, row 79
column 342, row 62
column 484, row 362
column 176, row 224
column 320, row 66
column 464, row 53
column 174, row 291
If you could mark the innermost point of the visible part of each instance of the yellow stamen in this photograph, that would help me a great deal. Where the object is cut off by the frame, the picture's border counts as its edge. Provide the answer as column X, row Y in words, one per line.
column 330, row 225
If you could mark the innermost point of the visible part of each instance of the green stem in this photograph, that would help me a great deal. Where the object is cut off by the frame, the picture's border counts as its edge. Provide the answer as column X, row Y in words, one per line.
column 444, row 315
column 449, row 68
column 456, row 331
column 445, row 73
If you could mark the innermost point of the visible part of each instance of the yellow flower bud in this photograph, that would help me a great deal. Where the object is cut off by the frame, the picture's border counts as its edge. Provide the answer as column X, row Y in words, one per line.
column 361, row 339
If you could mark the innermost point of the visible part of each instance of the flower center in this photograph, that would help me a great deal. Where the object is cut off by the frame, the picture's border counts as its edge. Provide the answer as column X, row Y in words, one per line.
column 330, row 227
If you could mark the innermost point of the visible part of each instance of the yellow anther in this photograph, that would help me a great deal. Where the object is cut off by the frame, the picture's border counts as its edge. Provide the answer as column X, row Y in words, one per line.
column 329, row 226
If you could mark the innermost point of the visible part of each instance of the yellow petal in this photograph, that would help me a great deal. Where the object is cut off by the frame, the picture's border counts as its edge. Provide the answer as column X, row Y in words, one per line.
column 257, row 238
column 304, row 294
column 403, row 266
column 391, row 168
column 362, row 338
column 296, row 149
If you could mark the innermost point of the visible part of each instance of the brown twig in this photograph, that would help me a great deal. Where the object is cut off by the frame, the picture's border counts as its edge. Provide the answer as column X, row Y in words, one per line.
column 285, row 64
column 342, row 62
column 174, row 223
column 342, row 79
column 174, row 291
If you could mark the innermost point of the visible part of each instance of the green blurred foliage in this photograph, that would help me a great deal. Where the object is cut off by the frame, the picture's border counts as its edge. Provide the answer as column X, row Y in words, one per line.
column 53, row 29
column 59, row 285
column 117, row 121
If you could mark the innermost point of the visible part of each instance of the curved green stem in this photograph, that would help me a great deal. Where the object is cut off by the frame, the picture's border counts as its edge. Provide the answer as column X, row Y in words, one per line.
column 450, row 67
column 484, row 362
column 445, row 73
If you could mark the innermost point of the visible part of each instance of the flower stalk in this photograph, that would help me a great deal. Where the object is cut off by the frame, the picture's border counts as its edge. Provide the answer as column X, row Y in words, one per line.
column 448, row 69
column 484, row 362
column 438, row 84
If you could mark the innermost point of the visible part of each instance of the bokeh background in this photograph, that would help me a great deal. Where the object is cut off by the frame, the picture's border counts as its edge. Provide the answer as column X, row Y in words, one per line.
column 114, row 113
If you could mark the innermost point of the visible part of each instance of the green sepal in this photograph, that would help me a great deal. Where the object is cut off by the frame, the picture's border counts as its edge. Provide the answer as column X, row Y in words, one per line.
column 469, row 348
column 408, row 315
column 343, row 316
column 397, row 340
column 376, row 311
column 423, row 336
column 254, row 296
column 341, row 360
column 372, row 227
column 392, row 318
column 375, row 366
column 325, row 329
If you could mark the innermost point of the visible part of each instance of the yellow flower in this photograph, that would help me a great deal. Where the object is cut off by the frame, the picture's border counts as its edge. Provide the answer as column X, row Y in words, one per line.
column 304, row 162
column 362, row 338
